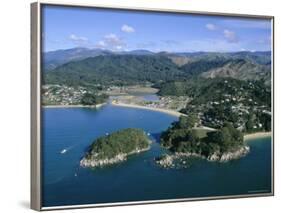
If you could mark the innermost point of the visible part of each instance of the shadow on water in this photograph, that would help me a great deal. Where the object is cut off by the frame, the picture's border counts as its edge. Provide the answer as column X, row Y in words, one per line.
column 156, row 136
column 87, row 149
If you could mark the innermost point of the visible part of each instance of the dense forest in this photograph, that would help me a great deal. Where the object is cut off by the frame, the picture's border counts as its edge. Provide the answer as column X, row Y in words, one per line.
column 182, row 138
column 115, row 70
column 93, row 99
column 121, row 142
column 56, row 58
column 129, row 69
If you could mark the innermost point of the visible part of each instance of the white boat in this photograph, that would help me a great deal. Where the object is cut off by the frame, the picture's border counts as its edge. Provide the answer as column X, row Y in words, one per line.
column 148, row 133
column 63, row 151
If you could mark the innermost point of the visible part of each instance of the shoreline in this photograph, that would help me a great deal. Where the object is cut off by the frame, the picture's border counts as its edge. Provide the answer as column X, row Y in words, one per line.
column 74, row 106
column 167, row 111
column 257, row 135
column 168, row 161
column 93, row 163
column 246, row 137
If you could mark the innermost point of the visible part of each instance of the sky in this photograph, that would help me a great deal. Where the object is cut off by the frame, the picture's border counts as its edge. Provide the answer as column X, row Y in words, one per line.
column 116, row 30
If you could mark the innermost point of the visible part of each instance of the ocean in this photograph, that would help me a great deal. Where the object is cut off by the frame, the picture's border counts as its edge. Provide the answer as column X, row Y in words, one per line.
column 68, row 132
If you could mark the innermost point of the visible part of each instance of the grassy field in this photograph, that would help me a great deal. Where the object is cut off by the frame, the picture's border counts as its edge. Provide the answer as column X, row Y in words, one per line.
column 201, row 133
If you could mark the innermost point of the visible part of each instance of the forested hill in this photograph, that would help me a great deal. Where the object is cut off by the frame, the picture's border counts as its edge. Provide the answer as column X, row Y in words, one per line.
column 53, row 59
column 240, row 69
column 116, row 69
column 262, row 57
column 141, row 67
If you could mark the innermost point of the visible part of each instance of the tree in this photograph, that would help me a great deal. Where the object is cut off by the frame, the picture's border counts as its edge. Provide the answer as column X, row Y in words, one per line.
column 187, row 121
column 265, row 120
column 93, row 99
column 249, row 125
column 122, row 141
column 226, row 138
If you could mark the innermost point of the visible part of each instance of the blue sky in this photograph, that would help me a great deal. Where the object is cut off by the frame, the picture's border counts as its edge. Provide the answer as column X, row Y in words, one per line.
column 69, row 27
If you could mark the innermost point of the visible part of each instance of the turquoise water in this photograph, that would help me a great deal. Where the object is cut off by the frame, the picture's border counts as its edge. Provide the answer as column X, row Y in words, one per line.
column 138, row 179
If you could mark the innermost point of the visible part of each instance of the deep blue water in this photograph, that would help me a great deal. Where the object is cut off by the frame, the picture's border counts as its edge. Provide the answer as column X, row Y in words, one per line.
column 138, row 179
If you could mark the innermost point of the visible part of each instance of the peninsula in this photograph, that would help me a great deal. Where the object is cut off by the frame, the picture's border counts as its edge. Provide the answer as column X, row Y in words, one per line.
column 182, row 140
column 115, row 148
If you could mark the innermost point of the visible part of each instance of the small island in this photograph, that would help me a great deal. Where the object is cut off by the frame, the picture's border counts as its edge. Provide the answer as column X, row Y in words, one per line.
column 115, row 148
column 183, row 140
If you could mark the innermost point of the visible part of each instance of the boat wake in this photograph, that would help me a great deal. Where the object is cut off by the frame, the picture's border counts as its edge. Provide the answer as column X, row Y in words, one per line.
column 66, row 149
column 63, row 151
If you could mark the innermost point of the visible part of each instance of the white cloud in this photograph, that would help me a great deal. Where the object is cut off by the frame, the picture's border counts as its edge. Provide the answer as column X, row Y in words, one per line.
column 111, row 41
column 76, row 38
column 119, row 47
column 127, row 29
column 230, row 36
column 101, row 44
column 211, row 26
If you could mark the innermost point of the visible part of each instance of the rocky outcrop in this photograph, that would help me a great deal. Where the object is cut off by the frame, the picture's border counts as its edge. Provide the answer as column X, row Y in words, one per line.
column 168, row 161
column 94, row 161
column 227, row 156
column 165, row 161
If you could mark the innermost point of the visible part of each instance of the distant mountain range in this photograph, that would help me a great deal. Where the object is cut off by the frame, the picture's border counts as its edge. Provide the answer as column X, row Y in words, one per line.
column 86, row 66
column 55, row 58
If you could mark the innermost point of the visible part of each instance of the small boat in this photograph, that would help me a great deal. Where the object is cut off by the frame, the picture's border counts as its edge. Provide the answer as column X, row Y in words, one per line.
column 63, row 151
column 148, row 133
column 75, row 174
column 107, row 133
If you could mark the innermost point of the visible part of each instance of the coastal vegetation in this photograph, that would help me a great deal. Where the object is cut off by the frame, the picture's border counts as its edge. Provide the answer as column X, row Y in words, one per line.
column 93, row 99
column 182, row 140
column 245, row 104
column 115, row 147
column 181, row 137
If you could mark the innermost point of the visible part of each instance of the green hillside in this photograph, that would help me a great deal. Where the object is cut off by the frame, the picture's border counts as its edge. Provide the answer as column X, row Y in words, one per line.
column 129, row 69
column 115, row 69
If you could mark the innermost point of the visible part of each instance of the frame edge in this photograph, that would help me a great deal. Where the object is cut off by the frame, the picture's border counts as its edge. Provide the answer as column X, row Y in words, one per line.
column 35, row 193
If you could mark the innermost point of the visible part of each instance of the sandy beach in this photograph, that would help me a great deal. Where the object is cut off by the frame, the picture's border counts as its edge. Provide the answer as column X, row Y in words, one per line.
column 257, row 135
column 167, row 111
column 74, row 106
